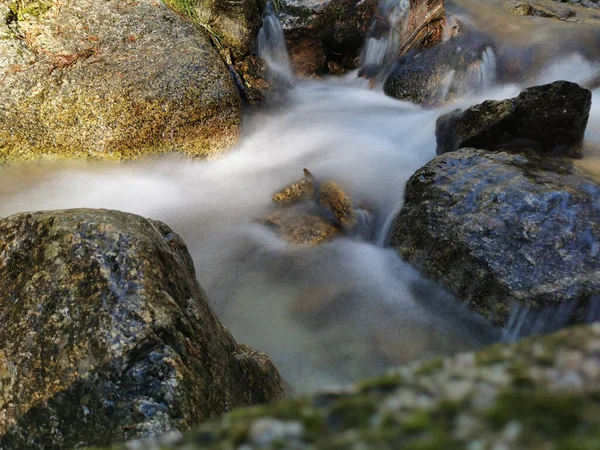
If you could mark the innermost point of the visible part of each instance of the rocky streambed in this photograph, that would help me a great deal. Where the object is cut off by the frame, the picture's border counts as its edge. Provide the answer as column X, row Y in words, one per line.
column 372, row 286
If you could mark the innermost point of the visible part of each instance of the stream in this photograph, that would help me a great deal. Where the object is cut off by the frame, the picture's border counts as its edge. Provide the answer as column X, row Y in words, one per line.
column 329, row 314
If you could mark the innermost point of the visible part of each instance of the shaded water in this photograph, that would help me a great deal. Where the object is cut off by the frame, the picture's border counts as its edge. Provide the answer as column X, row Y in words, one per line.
column 329, row 314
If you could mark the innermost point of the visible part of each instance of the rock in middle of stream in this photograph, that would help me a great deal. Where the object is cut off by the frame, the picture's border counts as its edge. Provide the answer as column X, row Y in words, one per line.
column 309, row 212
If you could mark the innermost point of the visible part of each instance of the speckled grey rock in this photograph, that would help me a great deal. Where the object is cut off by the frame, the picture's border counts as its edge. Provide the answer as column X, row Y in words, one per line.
column 550, row 119
column 106, row 335
column 504, row 229
column 110, row 80
column 542, row 393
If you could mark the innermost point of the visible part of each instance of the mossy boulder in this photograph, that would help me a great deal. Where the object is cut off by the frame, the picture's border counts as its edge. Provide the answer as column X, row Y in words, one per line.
column 505, row 229
column 110, row 80
column 541, row 393
column 106, row 334
column 550, row 119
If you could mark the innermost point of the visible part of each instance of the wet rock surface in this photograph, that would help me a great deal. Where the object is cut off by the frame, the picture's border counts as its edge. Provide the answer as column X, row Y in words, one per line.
column 505, row 229
column 110, row 80
column 550, row 119
column 540, row 393
column 310, row 212
column 325, row 36
column 435, row 75
column 106, row 334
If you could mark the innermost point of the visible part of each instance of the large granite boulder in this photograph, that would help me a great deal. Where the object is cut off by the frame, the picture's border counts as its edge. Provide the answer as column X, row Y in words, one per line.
column 551, row 119
column 110, row 80
column 540, row 393
column 106, row 335
column 505, row 229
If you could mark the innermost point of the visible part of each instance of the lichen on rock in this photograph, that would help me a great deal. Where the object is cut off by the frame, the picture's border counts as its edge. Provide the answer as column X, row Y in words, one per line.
column 106, row 334
column 108, row 80
column 539, row 393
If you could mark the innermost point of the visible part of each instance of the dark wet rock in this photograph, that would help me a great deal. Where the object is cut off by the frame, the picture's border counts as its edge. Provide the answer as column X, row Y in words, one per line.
column 438, row 74
column 325, row 34
column 502, row 230
column 550, row 119
column 310, row 212
column 540, row 393
column 110, row 80
column 106, row 335
column 588, row 3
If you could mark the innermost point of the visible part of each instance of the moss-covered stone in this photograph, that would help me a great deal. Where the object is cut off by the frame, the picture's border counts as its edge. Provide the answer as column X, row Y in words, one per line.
column 108, row 80
column 106, row 335
column 466, row 401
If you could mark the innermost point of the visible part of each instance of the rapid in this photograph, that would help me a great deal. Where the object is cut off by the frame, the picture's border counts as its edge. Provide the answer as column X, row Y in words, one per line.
column 328, row 314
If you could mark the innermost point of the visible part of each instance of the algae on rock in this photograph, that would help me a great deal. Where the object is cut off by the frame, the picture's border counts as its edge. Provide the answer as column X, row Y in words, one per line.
column 106, row 335
column 108, row 80
column 540, row 393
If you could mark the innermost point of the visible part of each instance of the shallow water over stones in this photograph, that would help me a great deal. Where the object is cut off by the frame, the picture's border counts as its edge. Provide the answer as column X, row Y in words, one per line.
column 333, row 313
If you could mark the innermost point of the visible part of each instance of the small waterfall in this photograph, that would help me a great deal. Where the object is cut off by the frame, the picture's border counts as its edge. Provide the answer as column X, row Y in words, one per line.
column 272, row 47
column 383, row 36
column 524, row 321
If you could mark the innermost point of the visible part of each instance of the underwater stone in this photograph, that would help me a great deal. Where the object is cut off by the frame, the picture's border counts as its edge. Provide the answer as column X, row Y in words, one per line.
column 106, row 335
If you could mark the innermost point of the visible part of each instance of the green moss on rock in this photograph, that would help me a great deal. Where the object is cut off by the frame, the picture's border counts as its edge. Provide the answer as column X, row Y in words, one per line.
column 104, row 80
column 469, row 398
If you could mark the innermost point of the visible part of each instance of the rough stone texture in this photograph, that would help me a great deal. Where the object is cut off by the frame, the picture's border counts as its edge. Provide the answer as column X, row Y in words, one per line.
column 549, row 118
column 106, row 334
column 325, row 34
column 520, row 8
column 310, row 212
column 110, row 80
column 500, row 229
column 542, row 393
column 438, row 74
column 234, row 22
column 302, row 226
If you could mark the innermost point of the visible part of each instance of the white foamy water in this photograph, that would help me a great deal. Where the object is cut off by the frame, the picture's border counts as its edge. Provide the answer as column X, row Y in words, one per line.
column 326, row 315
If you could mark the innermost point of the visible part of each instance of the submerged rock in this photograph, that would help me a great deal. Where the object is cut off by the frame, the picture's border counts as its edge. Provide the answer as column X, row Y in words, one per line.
column 110, row 80
column 302, row 225
column 550, row 119
column 504, row 229
column 540, row 393
column 106, row 335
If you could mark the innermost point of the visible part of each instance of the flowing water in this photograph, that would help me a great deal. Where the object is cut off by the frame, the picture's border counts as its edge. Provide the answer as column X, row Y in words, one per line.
column 326, row 315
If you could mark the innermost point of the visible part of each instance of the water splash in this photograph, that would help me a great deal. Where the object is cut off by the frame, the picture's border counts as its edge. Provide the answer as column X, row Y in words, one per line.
column 272, row 47
column 383, row 37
